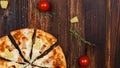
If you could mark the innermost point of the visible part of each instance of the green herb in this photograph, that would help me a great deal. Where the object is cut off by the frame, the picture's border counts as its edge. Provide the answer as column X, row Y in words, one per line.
column 75, row 34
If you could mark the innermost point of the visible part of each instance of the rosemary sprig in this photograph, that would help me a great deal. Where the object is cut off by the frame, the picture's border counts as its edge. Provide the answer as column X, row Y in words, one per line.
column 75, row 34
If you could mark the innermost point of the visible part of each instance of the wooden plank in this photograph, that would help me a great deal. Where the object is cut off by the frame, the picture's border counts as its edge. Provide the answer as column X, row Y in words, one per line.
column 7, row 18
column 108, row 35
column 15, row 17
column 115, row 33
column 22, row 13
column 36, row 18
column 77, row 48
column 95, row 31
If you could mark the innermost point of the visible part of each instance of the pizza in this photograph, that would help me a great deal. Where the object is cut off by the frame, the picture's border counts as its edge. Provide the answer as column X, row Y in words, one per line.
column 54, row 59
column 23, row 48
column 43, row 41
column 23, row 38
column 31, row 66
column 7, row 64
column 8, row 50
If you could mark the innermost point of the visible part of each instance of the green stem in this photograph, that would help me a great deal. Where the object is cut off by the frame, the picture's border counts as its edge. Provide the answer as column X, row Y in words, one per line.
column 80, row 38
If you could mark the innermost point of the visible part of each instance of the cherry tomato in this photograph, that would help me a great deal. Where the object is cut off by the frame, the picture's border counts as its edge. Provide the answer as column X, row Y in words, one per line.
column 44, row 5
column 84, row 61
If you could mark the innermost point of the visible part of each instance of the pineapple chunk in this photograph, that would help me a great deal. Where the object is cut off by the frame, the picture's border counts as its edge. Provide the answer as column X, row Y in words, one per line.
column 4, row 4
column 8, row 54
column 37, row 44
column 74, row 19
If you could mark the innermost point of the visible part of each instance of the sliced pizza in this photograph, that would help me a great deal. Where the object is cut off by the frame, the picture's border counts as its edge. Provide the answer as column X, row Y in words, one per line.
column 7, row 64
column 54, row 59
column 30, row 66
column 8, row 50
column 23, row 38
column 43, row 41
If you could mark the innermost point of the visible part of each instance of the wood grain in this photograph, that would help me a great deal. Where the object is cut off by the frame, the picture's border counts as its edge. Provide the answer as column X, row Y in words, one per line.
column 108, row 34
column 99, row 23
column 115, row 33
column 95, row 28
column 77, row 48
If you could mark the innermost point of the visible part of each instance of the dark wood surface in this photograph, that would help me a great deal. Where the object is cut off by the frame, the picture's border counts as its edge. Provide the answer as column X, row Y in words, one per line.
column 99, row 22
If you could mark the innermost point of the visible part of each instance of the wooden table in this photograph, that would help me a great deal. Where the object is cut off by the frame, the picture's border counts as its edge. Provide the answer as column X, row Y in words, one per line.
column 99, row 22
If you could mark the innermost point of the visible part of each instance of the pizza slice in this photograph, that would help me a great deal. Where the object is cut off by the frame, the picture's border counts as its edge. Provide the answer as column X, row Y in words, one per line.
column 7, row 64
column 8, row 50
column 43, row 41
column 23, row 38
column 54, row 59
column 30, row 66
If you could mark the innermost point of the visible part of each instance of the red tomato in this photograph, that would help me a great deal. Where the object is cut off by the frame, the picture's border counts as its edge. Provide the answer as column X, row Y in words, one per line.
column 44, row 5
column 84, row 61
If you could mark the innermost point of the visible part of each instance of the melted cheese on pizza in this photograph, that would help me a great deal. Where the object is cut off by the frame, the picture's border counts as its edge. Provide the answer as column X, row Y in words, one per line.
column 6, row 64
column 23, row 38
column 43, row 41
column 31, row 66
column 8, row 51
column 54, row 59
